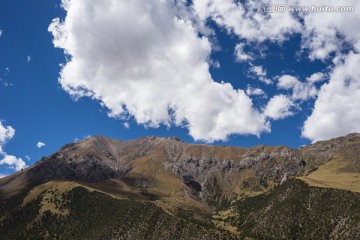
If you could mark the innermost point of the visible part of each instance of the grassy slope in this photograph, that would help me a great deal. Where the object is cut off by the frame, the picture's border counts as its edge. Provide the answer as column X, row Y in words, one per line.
column 341, row 172
column 330, row 176
column 77, row 213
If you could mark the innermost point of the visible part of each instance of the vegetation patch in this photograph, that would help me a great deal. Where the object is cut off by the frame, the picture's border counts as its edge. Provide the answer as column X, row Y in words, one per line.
column 334, row 174
column 295, row 210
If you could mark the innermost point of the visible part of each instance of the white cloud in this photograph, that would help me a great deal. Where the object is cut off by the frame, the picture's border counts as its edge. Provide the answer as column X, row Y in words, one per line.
column 336, row 111
column 1, row 31
column 300, row 90
column 28, row 59
column 246, row 20
column 216, row 64
column 27, row 158
column 240, row 54
column 279, row 107
column 13, row 162
column 142, row 60
column 7, row 133
column 143, row 54
column 316, row 77
column 260, row 72
column 250, row 91
column 40, row 144
column 335, row 28
column 126, row 125
column 287, row 82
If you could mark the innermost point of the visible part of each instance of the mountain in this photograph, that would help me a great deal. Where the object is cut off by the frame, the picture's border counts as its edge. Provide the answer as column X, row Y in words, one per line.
column 163, row 188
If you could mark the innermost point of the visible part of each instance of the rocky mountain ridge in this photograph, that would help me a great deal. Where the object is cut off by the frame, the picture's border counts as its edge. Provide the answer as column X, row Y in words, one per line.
column 235, row 169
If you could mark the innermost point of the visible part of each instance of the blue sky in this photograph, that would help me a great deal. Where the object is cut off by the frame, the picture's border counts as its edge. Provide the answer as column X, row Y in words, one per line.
column 53, row 97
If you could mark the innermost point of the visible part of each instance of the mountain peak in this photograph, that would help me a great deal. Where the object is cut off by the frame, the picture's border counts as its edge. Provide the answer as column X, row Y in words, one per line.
column 174, row 138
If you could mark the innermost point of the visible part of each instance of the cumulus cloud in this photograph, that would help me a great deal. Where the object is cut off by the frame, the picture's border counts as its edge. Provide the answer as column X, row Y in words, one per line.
column 279, row 107
column 148, row 61
column 260, row 73
column 335, row 28
column 336, row 111
column 7, row 133
column 324, row 35
column 321, row 38
column 13, row 162
column 215, row 64
column 300, row 90
column 40, row 144
column 287, row 82
column 251, row 91
column 316, row 77
column 246, row 20
column 143, row 60
column 240, row 54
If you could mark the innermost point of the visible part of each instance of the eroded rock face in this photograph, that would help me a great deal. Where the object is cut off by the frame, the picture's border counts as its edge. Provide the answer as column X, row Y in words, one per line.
column 256, row 169
column 90, row 160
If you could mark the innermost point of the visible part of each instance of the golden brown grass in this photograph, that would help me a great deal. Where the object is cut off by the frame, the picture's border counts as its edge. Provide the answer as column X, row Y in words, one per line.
column 61, row 186
column 173, row 192
column 220, row 220
column 332, row 175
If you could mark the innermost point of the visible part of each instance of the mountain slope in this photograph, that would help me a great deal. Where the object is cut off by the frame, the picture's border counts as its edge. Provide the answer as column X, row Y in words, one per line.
column 58, row 214
column 202, row 185
column 143, row 162
column 301, row 212
column 340, row 166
